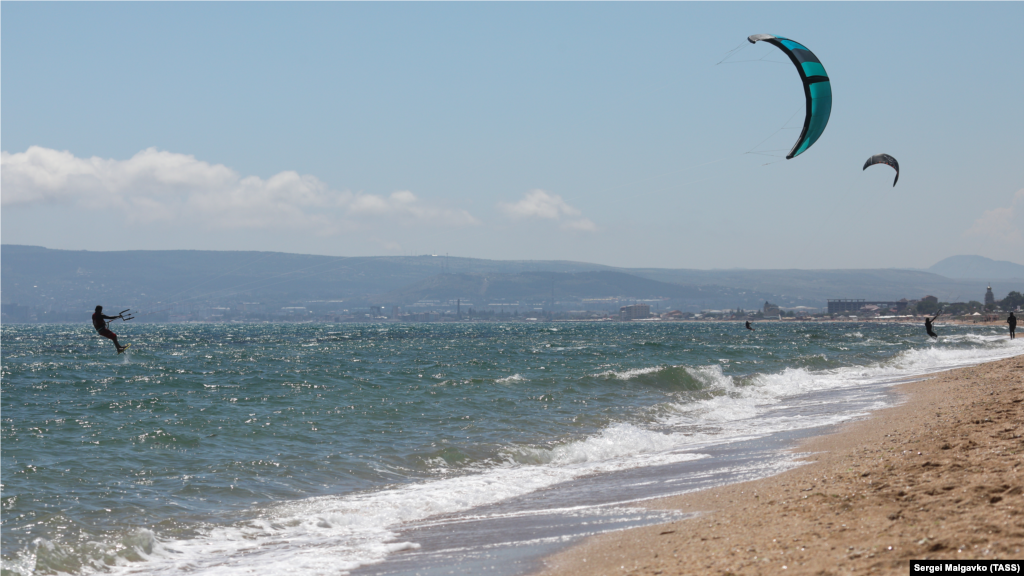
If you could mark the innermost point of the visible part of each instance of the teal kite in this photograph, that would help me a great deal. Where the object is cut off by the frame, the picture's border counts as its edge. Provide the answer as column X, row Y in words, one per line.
column 817, row 89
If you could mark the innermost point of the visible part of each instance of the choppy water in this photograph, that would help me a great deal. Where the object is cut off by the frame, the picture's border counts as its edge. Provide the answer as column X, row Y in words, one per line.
column 305, row 449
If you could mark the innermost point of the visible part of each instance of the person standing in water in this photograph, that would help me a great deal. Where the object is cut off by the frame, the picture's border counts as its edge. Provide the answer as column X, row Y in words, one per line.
column 99, row 322
column 1012, row 321
column 928, row 325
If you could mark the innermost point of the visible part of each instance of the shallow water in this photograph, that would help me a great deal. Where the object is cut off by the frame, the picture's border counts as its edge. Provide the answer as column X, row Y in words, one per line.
column 309, row 449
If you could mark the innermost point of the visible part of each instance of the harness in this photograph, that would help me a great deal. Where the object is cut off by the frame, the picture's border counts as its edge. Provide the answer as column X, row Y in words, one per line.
column 100, row 323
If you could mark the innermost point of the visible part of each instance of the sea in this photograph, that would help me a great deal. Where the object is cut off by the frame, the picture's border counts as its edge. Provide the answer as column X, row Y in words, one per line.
column 431, row 448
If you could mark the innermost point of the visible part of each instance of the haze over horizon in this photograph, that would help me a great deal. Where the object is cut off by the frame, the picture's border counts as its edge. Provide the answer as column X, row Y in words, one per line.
column 617, row 134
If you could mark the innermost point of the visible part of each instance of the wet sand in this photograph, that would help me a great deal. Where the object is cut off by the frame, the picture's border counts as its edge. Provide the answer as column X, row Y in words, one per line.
column 939, row 477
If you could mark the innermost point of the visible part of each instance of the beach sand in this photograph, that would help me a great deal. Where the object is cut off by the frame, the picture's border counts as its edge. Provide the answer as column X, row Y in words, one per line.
column 939, row 477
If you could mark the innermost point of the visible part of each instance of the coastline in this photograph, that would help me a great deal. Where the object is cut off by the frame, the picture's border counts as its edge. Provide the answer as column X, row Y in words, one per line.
column 939, row 476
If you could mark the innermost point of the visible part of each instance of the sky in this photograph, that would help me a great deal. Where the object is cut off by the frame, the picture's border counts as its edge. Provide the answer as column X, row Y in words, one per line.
column 625, row 134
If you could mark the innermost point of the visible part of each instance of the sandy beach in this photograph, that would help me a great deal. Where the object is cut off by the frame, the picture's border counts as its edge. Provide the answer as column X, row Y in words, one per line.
column 936, row 477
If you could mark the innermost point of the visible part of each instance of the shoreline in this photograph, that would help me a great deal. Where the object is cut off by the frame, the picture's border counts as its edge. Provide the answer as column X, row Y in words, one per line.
column 939, row 476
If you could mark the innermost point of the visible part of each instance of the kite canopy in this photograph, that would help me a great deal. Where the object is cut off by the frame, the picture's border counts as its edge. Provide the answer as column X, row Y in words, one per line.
column 884, row 159
column 817, row 89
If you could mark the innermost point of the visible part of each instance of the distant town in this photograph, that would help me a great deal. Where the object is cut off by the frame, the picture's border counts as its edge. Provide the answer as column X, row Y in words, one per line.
column 41, row 285
column 460, row 310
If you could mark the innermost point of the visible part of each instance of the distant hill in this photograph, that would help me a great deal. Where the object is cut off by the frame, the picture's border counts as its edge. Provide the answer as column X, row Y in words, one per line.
column 540, row 286
column 32, row 275
column 977, row 267
column 74, row 281
column 818, row 285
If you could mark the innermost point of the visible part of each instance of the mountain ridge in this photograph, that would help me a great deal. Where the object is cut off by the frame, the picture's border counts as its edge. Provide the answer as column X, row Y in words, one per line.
column 77, row 280
column 980, row 267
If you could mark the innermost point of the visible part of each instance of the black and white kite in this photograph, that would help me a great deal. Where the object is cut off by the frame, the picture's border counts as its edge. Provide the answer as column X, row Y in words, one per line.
column 884, row 159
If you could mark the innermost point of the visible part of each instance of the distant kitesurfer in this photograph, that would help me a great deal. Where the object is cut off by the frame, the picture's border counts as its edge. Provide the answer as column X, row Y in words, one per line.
column 1012, row 321
column 749, row 327
column 928, row 325
column 99, row 322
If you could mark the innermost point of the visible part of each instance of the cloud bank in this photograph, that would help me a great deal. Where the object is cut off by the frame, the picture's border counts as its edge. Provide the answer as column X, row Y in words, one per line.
column 538, row 204
column 156, row 186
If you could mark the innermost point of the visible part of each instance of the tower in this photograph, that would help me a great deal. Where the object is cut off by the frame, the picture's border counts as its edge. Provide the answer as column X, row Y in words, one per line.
column 990, row 298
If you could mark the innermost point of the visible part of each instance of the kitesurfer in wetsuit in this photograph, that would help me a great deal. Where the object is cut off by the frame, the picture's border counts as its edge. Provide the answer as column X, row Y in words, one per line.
column 1012, row 321
column 99, row 322
column 928, row 325
column 749, row 327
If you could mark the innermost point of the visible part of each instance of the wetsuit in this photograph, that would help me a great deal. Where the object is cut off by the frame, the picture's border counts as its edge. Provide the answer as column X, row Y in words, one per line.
column 1012, row 321
column 749, row 327
column 928, row 326
column 99, row 323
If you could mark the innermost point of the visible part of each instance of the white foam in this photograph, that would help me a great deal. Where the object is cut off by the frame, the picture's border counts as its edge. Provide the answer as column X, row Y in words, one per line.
column 629, row 374
column 510, row 379
column 620, row 440
column 740, row 411
column 325, row 535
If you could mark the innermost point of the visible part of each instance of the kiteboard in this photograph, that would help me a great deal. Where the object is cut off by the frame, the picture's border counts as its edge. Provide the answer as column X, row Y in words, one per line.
column 126, row 346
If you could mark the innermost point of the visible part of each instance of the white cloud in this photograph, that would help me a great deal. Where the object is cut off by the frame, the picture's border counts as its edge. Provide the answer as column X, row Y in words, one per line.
column 581, row 224
column 538, row 204
column 158, row 186
column 1004, row 226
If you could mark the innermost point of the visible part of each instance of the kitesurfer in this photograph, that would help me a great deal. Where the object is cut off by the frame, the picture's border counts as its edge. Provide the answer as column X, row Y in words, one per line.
column 749, row 327
column 1012, row 321
column 99, row 322
column 928, row 325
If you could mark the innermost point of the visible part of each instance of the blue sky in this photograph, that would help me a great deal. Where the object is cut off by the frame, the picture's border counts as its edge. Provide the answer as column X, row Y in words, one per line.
column 600, row 132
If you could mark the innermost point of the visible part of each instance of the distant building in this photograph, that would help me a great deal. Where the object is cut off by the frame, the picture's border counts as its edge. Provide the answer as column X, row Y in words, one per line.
column 635, row 312
column 990, row 298
column 12, row 313
column 771, row 309
column 843, row 305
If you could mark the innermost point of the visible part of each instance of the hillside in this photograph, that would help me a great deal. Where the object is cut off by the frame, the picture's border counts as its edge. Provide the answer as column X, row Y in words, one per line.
column 36, row 276
column 70, row 282
column 553, row 286
column 820, row 285
column 977, row 267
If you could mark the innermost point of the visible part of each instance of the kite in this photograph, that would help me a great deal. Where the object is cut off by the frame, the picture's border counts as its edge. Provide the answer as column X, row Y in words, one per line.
column 884, row 159
column 817, row 89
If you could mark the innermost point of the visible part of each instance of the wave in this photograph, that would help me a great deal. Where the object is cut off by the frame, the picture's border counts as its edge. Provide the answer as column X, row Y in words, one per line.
column 619, row 440
column 328, row 534
column 629, row 374
column 747, row 406
column 666, row 378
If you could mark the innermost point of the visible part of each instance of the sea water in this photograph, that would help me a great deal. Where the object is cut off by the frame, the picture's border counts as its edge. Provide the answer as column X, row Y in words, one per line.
column 323, row 448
